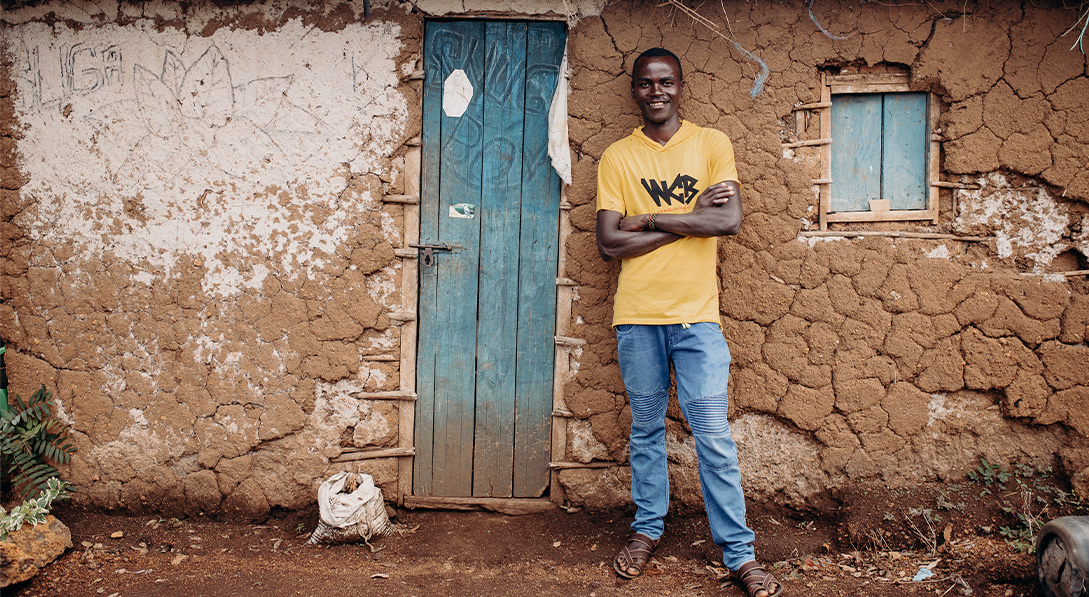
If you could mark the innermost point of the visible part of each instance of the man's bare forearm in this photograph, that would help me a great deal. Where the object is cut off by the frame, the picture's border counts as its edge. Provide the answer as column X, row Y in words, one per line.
column 717, row 213
column 615, row 243
column 712, row 221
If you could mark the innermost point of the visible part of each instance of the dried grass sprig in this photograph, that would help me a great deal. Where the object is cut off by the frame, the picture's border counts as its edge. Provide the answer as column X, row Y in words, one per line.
column 1080, row 42
column 758, row 83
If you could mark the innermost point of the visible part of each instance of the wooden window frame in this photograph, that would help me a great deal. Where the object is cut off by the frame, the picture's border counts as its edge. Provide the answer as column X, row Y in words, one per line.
column 871, row 83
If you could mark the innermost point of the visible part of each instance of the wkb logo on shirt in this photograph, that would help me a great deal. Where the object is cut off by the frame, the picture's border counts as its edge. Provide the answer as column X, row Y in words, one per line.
column 683, row 190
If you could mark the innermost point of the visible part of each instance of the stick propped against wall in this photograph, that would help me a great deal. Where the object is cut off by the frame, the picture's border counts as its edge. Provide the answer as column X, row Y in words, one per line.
column 406, row 413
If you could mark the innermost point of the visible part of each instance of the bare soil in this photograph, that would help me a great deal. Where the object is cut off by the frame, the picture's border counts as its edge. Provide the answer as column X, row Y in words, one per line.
column 862, row 544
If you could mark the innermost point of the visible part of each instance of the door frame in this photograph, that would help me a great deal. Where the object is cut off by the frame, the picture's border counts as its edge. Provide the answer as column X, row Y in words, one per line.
column 565, row 291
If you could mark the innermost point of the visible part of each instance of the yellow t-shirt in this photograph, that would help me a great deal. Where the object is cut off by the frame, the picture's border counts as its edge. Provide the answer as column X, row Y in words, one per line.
column 677, row 283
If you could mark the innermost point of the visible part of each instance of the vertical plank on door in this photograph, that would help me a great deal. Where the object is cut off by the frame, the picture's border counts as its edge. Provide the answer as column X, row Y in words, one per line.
column 455, row 382
column 856, row 151
column 903, row 156
column 430, row 168
column 448, row 338
column 504, row 105
column 537, row 269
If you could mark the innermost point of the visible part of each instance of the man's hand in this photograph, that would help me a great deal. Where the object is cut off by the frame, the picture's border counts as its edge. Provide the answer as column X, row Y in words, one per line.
column 715, row 195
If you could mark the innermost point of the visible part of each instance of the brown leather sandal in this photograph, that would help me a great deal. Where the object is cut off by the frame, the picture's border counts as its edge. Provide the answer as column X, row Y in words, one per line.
column 754, row 578
column 634, row 555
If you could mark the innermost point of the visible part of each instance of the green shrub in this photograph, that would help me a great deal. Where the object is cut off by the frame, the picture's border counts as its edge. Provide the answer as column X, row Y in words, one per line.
column 31, row 441
column 33, row 511
column 990, row 474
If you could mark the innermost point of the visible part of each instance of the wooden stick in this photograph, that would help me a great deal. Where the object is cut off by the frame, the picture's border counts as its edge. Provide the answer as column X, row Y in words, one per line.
column 825, row 199
column 406, row 413
column 871, row 88
column 566, row 465
column 1070, row 274
column 814, row 106
column 809, row 142
column 369, row 454
column 869, row 79
column 393, row 395
column 569, row 342
column 953, row 185
column 893, row 234
column 511, row 506
column 561, row 367
column 932, row 152
column 409, row 199
column 896, row 215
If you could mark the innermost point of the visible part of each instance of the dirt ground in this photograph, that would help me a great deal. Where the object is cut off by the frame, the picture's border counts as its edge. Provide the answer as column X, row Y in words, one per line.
column 863, row 545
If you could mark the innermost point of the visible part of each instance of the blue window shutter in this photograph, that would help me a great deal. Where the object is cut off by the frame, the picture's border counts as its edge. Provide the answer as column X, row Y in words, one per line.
column 903, row 163
column 879, row 150
column 856, row 151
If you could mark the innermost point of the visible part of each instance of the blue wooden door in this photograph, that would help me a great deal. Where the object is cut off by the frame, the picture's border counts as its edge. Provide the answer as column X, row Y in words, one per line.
column 487, row 312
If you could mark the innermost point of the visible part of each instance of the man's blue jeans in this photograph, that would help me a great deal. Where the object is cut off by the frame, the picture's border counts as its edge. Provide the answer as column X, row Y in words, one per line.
column 701, row 365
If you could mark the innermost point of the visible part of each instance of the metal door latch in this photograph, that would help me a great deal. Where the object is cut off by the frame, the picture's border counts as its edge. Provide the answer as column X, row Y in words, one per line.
column 428, row 250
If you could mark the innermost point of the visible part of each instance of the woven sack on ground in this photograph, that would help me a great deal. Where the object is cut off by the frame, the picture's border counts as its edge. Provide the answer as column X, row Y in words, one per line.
column 352, row 510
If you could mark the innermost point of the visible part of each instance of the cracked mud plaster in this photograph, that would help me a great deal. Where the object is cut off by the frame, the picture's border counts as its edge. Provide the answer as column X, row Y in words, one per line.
column 889, row 358
column 199, row 255
column 199, row 258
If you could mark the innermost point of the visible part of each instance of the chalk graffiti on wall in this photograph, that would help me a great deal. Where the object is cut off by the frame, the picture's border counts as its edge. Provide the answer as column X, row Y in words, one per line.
column 77, row 69
column 235, row 150
column 195, row 115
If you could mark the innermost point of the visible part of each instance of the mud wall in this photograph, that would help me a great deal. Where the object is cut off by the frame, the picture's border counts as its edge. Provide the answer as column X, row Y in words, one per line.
column 200, row 223
column 199, row 260
column 870, row 357
column 201, row 214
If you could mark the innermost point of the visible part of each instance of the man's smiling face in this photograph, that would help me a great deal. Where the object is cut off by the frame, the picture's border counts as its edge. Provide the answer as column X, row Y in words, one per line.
column 657, row 88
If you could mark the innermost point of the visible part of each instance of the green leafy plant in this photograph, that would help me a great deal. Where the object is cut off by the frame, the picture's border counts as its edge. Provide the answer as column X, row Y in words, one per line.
column 1019, row 538
column 1022, row 536
column 1034, row 493
column 34, row 510
column 944, row 501
column 990, row 474
column 32, row 439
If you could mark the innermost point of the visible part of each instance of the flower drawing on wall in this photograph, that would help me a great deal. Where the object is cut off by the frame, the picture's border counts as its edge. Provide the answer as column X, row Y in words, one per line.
column 195, row 119
column 237, row 151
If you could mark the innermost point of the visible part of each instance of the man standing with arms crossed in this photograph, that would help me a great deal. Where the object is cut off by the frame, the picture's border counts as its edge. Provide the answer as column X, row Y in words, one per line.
column 665, row 194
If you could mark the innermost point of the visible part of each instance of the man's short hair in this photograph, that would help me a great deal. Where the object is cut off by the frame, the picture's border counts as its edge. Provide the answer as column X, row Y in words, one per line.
column 656, row 53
